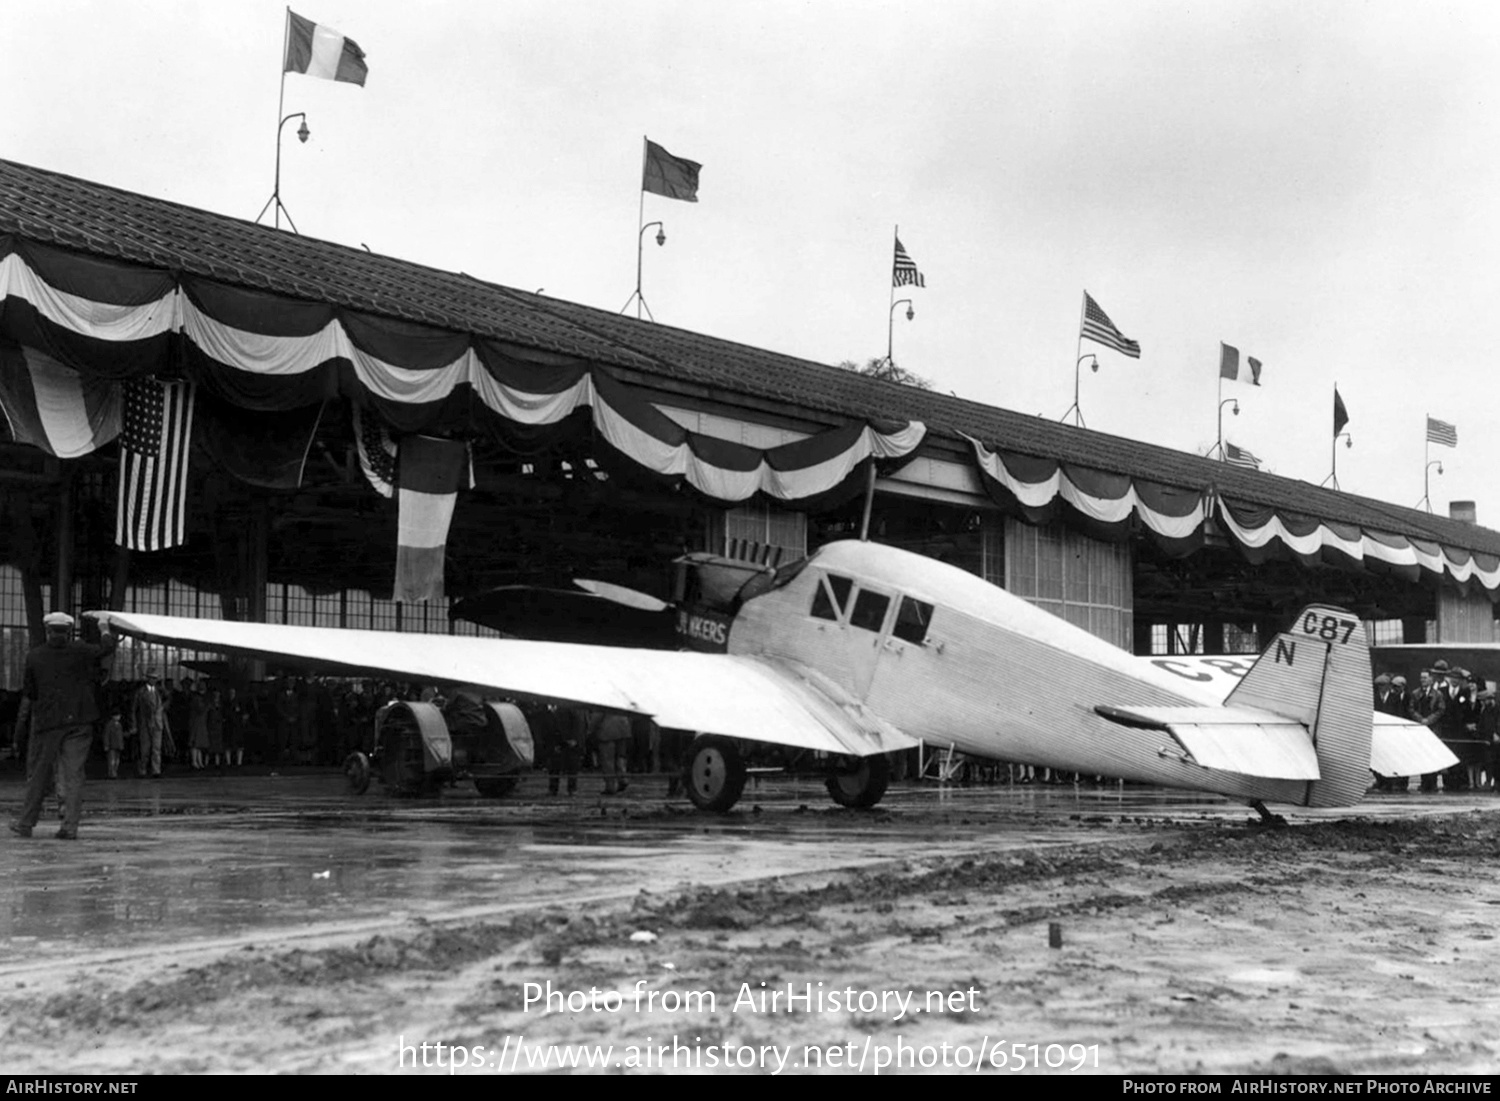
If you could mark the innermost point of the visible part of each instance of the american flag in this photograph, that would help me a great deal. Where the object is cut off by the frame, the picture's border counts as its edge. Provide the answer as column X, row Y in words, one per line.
column 1239, row 456
column 1098, row 327
column 155, row 436
column 377, row 451
column 905, row 272
column 1441, row 432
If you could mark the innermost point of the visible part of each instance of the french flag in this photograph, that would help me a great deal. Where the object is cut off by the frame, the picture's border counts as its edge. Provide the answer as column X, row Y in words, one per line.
column 53, row 407
column 322, row 52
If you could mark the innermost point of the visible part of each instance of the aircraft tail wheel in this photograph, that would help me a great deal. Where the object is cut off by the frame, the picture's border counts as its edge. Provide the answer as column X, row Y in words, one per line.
column 715, row 774
column 862, row 784
column 357, row 772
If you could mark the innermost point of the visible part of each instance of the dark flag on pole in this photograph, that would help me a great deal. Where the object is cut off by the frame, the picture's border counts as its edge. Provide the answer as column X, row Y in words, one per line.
column 673, row 177
column 904, row 271
column 1099, row 328
column 154, row 441
column 1229, row 361
column 1340, row 414
column 1229, row 364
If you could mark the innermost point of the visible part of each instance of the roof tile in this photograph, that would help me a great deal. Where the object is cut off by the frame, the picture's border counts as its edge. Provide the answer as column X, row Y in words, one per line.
column 105, row 221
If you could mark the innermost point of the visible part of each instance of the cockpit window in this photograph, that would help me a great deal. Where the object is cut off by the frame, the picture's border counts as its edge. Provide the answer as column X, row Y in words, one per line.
column 912, row 620
column 831, row 597
column 869, row 610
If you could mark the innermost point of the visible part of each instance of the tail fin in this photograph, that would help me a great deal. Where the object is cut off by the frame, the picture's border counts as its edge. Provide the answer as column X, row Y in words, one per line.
column 1318, row 672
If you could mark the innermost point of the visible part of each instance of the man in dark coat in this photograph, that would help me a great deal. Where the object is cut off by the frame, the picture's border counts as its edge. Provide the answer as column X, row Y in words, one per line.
column 61, row 682
column 1428, row 706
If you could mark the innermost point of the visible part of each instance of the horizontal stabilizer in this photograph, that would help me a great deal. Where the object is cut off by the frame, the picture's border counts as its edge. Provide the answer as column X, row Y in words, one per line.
column 1402, row 748
column 1231, row 739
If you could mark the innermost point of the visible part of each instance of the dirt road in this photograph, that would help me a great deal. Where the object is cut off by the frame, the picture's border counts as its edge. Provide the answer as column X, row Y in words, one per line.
column 1354, row 945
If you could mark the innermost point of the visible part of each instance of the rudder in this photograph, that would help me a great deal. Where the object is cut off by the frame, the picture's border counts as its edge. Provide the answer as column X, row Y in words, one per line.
column 1318, row 672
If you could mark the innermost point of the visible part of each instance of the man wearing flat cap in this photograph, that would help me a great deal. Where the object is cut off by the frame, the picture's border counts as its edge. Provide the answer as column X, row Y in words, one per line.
column 60, row 682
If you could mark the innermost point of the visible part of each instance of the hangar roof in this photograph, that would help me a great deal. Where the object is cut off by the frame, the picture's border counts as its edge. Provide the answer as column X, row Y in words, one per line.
column 101, row 221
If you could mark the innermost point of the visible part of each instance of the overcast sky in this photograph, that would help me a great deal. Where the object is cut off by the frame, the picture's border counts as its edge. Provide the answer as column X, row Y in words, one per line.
column 1315, row 184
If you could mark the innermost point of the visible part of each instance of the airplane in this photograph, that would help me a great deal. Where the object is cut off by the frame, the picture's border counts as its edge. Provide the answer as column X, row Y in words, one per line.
column 861, row 649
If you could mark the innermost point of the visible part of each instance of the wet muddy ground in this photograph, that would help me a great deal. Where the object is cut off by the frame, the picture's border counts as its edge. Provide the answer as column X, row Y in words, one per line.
column 272, row 923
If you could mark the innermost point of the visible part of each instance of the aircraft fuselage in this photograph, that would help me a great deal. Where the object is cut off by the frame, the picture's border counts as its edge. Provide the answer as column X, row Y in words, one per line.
column 953, row 660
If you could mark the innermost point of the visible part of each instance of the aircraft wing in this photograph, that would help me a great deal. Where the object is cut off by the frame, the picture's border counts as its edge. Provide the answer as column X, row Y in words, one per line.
column 736, row 696
column 1232, row 739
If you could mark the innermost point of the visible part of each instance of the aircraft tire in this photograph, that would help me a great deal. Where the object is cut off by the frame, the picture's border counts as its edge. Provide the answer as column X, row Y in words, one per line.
column 498, row 787
column 715, row 774
column 863, row 785
column 357, row 772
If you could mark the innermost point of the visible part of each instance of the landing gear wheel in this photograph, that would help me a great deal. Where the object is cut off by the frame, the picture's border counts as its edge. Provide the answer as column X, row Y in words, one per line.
column 861, row 784
column 715, row 774
column 496, row 788
column 357, row 772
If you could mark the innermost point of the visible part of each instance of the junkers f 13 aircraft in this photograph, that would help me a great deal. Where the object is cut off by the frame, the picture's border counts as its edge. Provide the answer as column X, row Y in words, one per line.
column 862, row 649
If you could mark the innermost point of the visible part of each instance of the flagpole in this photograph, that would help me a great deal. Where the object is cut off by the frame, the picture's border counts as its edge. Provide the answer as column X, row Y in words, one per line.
column 891, row 306
column 1220, row 402
column 1078, row 358
column 1428, row 464
column 1333, row 447
column 274, row 203
column 286, row 38
column 1332, row 481
column 640, row 238
column 640, row 223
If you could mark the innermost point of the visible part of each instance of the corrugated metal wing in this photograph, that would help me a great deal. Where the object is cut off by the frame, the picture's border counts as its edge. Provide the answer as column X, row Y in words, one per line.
column 736, row 696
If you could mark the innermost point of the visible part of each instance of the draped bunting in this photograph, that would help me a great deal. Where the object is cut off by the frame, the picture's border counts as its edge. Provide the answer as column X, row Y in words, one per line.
column 1314, row 541
column 256, row 351
column 1105, row 505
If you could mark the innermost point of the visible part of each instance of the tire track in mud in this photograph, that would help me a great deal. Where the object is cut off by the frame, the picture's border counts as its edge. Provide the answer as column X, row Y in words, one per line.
column 319, row 1004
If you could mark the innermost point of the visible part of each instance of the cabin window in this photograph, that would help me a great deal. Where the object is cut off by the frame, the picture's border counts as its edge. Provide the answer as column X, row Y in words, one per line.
column 869, row 610
column 831, row 597
column 912, row 620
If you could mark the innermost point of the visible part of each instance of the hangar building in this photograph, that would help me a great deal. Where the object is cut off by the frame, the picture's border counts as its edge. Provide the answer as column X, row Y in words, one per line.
column 601, row 446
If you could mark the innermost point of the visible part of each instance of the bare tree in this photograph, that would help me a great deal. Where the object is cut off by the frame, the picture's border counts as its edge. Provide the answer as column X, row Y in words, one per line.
column 888, row 370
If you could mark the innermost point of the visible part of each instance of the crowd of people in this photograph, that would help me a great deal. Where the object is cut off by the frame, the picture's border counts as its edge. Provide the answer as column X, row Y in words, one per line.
column 68, row 709
column 200, row 724
column 1460, row 708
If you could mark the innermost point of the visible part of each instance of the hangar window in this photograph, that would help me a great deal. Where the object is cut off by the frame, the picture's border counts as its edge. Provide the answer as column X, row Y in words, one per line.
column 912, row 620
column 869, row 610
column 831, row 597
